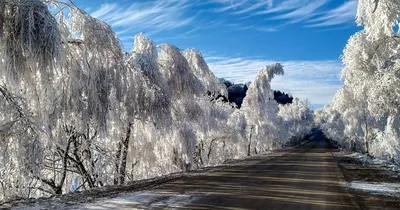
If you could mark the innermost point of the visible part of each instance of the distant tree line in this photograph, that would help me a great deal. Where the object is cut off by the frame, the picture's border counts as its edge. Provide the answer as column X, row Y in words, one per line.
column 282, row 97
column 237, row 92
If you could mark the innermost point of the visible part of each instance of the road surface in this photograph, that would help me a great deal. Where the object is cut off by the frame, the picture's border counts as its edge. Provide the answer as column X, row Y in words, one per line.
column 306, row 178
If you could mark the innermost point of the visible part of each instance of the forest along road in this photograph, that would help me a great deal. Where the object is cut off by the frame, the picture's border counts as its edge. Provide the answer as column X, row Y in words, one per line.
column 305, row 178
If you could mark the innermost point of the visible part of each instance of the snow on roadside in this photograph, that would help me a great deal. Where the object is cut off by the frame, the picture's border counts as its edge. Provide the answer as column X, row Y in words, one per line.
column 376, row 187
column 375, row 161
column 136, row 200
column 380, row 186
column 139, row 200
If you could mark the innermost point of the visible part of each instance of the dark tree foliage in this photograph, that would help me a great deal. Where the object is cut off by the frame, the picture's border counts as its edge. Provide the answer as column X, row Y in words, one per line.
column 237, row 92
column 217, row 96
column 282, row 97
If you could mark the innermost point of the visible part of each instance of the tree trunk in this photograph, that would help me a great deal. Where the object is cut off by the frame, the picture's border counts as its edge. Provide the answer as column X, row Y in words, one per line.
column 249, row 146
column 122, row 167
column 366, row 134
column 117, row 163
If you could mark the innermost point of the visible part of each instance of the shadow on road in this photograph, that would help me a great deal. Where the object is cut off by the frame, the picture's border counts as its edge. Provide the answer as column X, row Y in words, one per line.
column 306, row 178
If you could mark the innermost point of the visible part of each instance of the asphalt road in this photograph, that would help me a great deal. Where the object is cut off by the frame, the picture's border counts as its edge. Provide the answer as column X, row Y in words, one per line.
column 305, row 178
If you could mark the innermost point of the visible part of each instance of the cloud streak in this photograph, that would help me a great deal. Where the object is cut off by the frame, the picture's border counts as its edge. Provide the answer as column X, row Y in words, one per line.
column 340, row 15
column 313, row 80
column 158, row 15
column 310, row 13
column 304, row 11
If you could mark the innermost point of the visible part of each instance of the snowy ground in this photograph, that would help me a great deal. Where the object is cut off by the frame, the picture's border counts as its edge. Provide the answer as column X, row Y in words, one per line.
column 369, row 175
column 374, row 161
column 136, row 200
column 141, row 200
column 376, row 187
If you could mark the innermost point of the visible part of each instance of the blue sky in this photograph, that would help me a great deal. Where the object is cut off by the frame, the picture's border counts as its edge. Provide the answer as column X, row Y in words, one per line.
column 239, row 37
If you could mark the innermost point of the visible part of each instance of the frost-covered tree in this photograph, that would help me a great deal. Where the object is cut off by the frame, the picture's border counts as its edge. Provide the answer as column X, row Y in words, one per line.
column 200, row 69
column 298, row 119
column 20, row 149
column 261, row 110
column 364, row 114
column 68, row 95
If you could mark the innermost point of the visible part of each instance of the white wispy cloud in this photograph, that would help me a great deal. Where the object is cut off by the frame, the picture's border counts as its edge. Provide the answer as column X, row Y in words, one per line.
column 311, row 13
column 313, row 80
column 230, row 6
column 304, row 11
column 282, row 6
column 253, row 7
column 340, row 15
column 157, row 15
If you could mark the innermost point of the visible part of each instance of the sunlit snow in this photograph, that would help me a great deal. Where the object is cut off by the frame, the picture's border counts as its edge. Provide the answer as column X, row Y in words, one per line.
column 140, row 200
column 376, row 187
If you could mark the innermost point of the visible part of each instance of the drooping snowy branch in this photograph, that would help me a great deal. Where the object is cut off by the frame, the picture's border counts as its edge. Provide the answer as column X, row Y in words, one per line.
column 30, row 39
